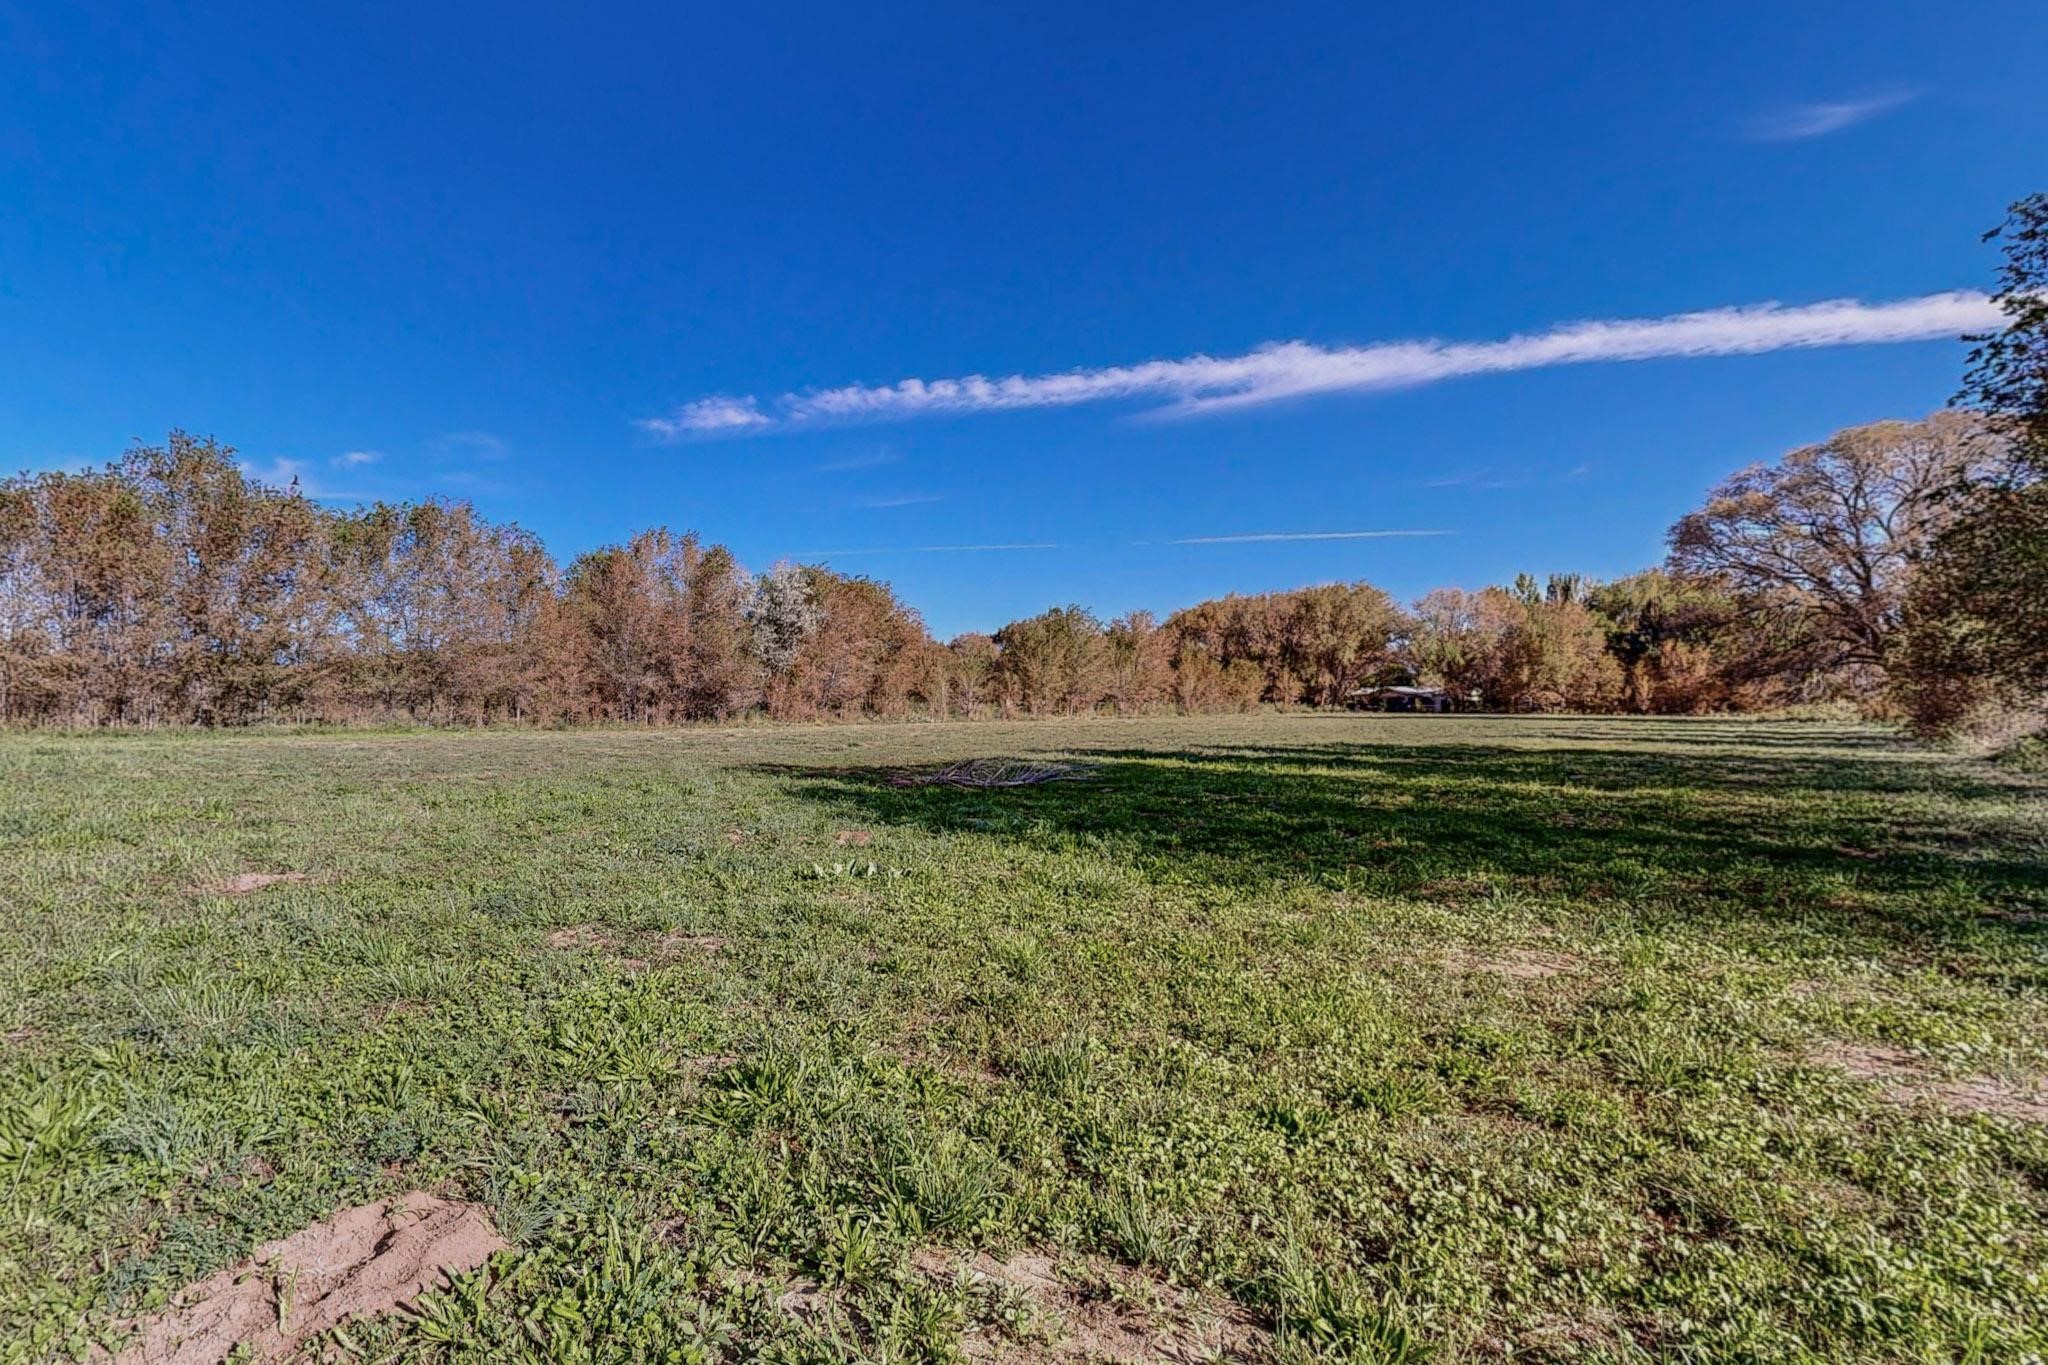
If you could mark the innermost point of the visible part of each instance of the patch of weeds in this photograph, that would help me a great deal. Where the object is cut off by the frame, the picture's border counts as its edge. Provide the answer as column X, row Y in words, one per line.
column 1327, row 1315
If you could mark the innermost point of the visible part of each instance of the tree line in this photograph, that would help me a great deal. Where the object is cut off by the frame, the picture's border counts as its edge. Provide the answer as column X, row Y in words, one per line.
column 1902, row 564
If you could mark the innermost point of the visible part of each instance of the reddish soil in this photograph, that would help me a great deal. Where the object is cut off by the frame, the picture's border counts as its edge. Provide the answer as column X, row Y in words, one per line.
column 363, row 1261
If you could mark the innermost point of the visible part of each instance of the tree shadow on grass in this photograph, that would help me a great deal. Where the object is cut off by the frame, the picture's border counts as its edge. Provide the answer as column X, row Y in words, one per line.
column 1703, row 834
column 1885, row 771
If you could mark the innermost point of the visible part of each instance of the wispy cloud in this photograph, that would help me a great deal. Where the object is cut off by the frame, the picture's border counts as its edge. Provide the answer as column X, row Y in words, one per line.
column 717, row 414
column 898, row 500
column 1487, row 480
column 1482, row 482
column 1798, row 121
column 869, row 459
column 1295, row 369
column 356, row 459
column 1267, row 537
column 920, row 550
column 476, row 445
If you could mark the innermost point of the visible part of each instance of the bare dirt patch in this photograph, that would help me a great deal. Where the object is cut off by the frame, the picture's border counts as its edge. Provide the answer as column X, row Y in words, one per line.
column 242, row 883
column 1516, row 964
column 706, row 1064
column 806, row 1298
column 691, row 943
column 1907, row 1079
column 1103, row 1312
column 399, row 1010
column 363, row 1261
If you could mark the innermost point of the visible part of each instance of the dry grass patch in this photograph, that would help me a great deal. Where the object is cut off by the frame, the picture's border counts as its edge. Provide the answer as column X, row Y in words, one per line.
column 595, row 938
column 242, row 883
column 1515, row 964
column 580, row 936
column 691, row 943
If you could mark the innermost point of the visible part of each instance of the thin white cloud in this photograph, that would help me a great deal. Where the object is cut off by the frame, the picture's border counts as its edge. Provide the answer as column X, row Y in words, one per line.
column 1267, row 537
column 920, row 550
column 1800, row 121
column 870, row 459
column 1294, row 369
column 1478, row 481
column 356, row 459
column 898, row 500
column 1489, row 479
column 718, row 414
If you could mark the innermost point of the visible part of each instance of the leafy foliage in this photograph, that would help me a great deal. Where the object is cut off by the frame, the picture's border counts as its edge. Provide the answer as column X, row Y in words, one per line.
column 1978, row 643
column 170, row 587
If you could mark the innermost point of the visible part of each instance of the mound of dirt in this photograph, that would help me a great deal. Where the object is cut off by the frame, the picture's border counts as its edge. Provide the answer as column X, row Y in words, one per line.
column 363, row 1261
column 1905, row 1078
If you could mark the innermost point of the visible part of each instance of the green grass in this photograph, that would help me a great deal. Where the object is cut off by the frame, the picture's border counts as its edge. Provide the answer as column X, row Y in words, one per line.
column 1413, row 1037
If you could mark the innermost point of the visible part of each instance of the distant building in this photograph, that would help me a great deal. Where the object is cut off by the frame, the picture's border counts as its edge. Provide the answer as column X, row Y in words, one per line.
column 1402, row 699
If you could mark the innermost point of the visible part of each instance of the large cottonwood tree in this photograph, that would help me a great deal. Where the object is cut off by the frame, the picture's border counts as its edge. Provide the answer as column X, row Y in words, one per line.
column 1832, row 530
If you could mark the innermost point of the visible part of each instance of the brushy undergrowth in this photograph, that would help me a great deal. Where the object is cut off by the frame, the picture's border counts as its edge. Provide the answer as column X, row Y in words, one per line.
column 1412, row 1038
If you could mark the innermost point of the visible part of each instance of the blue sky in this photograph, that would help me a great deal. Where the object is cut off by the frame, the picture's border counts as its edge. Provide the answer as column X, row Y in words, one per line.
column 521, row 255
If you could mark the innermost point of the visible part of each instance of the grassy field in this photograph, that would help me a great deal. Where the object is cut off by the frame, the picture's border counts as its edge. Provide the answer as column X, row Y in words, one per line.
column 1289, row 1038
